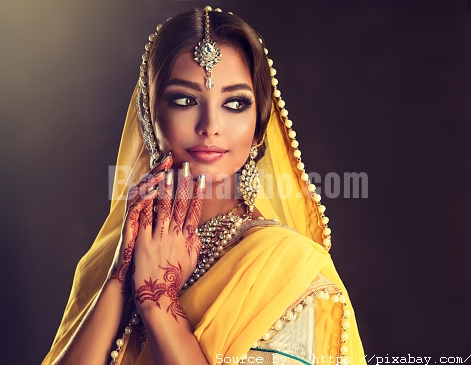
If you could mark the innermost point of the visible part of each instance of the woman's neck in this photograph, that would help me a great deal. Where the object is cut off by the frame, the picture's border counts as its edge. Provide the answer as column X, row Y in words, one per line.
column 213, row 207
column 218, row 202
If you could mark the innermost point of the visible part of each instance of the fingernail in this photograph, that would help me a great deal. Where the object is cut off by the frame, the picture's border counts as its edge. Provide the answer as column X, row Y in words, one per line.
column 151, row 190
column 186, row 169
column 165, row 158
column 159, row 172
column 169, row 178
column 201, row 182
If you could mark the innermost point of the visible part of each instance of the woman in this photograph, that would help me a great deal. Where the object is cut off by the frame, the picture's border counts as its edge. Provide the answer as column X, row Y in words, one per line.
column 210, row 265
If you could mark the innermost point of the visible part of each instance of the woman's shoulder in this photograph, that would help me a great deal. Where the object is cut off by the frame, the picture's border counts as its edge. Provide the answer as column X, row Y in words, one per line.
column 273, row 232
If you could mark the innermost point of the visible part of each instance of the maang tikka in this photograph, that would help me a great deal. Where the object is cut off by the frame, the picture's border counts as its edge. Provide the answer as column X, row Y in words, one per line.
column 207, row 52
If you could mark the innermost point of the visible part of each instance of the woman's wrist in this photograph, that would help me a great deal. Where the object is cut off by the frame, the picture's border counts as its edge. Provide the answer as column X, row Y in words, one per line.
column 171, row 341
column 165, row 309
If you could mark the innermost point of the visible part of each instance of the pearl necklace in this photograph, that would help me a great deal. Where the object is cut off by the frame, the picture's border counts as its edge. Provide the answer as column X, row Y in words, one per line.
column 214, row 236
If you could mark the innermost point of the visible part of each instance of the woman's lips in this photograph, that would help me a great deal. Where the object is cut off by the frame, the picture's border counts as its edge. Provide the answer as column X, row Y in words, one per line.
column 207, row 153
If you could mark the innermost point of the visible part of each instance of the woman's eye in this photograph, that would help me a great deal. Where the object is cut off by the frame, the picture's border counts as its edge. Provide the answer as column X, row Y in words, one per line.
column 237, row 105
column 185, row 101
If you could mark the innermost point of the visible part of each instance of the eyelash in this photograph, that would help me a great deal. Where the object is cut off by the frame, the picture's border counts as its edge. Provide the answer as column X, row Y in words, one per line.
column 245, row 100
column 171, row 99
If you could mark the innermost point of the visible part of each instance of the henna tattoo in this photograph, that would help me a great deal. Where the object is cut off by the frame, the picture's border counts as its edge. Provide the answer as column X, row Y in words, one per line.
column 140, row 189
column 147, row 213
column 165, row 206
column 133, row 271
column 151, row 179
column 181, row 204
column 121, row 273
column 192, row 240
column 134, row 218
column 153, row 291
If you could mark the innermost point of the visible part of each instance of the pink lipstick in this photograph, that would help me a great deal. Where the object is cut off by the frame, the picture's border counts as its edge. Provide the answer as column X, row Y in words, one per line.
column 205, row 153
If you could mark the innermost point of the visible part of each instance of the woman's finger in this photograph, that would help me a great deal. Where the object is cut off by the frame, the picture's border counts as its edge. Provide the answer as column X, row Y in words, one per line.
column 164, row 206
column 193, row 242
column 151, row 180
column 182, row 199
column 131, row 223
column 128, row 238
column 145, row 218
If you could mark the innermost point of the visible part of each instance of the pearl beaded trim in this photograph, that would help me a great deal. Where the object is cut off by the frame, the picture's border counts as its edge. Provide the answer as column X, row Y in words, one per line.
column 311, row 188
column 120, row 341
column 322, row 289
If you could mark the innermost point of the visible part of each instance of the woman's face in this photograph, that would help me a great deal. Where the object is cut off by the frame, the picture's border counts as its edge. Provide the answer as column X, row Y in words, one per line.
column 211, row 129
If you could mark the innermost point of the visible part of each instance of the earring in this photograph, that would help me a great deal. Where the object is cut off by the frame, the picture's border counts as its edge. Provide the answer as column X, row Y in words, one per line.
column 249, row 181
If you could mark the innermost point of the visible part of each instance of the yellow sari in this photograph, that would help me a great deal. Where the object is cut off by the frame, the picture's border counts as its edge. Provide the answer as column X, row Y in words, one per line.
column 259, row 288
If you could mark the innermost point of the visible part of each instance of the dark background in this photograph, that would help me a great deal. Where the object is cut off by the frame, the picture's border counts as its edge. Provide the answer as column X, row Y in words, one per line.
column 381, row 87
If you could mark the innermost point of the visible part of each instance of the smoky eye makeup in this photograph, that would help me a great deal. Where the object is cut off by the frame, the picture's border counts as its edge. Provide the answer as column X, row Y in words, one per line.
column 238, row 103
column 180, row 100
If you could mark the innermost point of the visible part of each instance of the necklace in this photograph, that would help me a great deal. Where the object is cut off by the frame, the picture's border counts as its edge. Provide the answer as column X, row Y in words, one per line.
column 214, row 235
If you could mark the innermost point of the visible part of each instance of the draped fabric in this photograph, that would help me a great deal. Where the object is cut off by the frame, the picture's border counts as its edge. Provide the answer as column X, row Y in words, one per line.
column 252, row 285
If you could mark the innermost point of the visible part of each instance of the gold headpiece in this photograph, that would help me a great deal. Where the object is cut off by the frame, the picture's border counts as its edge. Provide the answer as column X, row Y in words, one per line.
column 207, row 52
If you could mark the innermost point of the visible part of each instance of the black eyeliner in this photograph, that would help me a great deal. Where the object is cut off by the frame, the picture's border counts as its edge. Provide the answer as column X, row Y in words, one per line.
column 171, row 97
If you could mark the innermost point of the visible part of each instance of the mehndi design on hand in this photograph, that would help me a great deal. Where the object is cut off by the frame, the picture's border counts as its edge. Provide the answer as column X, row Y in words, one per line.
column 170, row 287
column 193, row 242
column 140, row 199
column 165, row 202
column 132, row 222
column 182, row 198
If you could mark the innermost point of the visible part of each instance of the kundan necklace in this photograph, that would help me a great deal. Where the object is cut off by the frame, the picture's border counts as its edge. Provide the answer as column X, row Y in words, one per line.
column 214, row 235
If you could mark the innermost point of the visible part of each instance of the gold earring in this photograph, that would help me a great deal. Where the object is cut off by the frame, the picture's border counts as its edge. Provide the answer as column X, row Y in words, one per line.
column 249, row 184
column 249, row 180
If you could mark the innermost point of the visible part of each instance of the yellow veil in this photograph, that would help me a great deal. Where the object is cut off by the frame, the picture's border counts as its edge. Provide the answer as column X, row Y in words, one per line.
column 284, row 257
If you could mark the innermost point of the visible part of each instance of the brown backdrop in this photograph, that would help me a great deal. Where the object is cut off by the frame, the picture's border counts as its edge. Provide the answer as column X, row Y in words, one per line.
column 380, row 87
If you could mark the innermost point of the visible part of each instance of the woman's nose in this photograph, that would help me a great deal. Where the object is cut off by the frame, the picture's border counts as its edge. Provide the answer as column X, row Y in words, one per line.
column 209, row 123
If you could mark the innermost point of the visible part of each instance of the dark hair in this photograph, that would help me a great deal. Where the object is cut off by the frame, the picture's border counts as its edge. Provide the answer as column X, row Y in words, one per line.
column 184, row 31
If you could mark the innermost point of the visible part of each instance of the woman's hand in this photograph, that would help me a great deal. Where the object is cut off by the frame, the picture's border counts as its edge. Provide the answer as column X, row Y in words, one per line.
column 165, row 254
column 139, row 197
column 92, row 341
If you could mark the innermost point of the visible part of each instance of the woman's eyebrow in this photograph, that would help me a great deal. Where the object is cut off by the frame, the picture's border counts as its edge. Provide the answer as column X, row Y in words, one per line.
column 180, row 82
column 235, row 87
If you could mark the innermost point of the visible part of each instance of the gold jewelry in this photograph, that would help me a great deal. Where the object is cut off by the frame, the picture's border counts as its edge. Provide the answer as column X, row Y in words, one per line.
column 215, row 234
column 249, row 184
column 303, row 175
column 143, row 105
column 207, row 52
